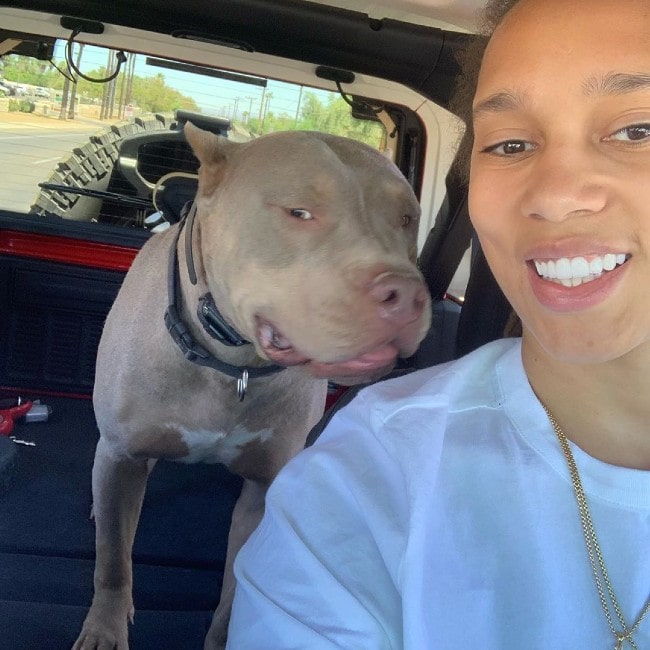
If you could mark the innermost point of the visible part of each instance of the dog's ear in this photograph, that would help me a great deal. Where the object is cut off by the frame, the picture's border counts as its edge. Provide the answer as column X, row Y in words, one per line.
column 213, row 152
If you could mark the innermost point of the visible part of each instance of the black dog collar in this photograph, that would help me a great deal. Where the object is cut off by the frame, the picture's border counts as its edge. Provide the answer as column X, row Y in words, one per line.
column 210, row 318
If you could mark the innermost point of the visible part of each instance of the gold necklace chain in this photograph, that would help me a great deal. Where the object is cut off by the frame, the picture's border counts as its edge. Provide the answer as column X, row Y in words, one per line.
column 626, row 634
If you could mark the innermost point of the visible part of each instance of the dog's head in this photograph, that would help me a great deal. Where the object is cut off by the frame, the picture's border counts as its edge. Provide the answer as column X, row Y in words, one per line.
column 308, row 244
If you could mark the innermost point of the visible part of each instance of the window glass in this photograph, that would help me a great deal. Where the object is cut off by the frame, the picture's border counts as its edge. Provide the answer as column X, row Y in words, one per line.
column 94, row 152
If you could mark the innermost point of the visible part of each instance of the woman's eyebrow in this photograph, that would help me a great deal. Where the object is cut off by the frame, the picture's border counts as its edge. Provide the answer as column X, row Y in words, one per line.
column 499, row 102
column 616, row 83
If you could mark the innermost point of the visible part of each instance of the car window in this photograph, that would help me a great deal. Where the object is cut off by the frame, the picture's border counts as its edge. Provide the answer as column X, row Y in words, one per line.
column 78, row 146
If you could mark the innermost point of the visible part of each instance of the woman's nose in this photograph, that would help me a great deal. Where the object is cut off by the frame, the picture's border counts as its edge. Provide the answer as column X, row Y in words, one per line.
column 562, row 185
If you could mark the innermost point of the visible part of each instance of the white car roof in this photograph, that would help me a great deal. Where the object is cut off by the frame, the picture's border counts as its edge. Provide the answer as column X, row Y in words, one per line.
column 457, row 15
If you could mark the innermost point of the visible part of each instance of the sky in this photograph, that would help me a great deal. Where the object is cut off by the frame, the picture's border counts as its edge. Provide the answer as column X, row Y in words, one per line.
column 214, row 96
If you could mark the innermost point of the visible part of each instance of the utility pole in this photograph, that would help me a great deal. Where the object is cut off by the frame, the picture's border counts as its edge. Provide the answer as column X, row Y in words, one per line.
column 121, row 104
column 259, row 117
column 112, row 85
column 298, row 107
column 269, row 97
column 130, row 72
column 64, row 98
column 73, row 92
column 106, row 90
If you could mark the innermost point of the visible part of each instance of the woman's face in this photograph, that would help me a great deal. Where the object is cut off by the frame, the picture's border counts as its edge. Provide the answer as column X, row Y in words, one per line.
column 560, row 172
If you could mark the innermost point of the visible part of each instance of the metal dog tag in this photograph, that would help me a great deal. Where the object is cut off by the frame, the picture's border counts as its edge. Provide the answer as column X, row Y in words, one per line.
column 242, row 385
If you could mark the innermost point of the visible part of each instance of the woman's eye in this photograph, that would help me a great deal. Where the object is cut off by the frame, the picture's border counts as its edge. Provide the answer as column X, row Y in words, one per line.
column 634, row 133
column 301, row 213
column 509, row 148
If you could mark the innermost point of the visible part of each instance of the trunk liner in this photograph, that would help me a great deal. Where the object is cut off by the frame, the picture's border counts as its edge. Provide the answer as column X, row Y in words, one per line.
column 47, row 540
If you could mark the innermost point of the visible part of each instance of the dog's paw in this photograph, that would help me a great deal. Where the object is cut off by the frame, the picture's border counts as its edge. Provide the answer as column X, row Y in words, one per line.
column 106, row 627
column 92, row 638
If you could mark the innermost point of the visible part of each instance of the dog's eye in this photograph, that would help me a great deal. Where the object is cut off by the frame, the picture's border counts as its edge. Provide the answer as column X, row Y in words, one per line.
column 300, row 213
column 406, row 220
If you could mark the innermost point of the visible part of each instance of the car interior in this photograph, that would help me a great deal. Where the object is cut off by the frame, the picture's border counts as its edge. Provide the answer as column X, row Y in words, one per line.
column 94, row 97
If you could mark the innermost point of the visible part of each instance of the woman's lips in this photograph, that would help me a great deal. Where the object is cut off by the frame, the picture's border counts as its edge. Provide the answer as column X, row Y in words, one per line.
column 574, row 271
column 576, row 283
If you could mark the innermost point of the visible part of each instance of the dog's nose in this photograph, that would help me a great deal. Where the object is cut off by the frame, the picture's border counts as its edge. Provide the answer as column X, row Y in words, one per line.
column 400, row 299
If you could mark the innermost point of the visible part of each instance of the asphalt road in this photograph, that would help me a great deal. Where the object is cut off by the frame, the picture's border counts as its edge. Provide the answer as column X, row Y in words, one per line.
column 29, row 152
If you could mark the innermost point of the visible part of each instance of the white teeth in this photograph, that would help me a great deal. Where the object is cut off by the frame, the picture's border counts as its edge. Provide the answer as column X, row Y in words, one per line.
column 579, row 267
column 596, row 266
column 266, row 334
column 546, row 269
column 278, row 341
column 573, row 272
column 609, row 262
column 563, row 269
column 269, row 336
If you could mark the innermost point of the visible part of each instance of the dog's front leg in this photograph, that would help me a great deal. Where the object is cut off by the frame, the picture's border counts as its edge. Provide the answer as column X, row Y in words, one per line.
column 118, row 489
column 246, row 515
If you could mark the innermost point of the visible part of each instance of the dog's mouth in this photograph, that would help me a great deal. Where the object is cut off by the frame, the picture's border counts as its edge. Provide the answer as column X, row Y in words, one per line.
column 372, row 363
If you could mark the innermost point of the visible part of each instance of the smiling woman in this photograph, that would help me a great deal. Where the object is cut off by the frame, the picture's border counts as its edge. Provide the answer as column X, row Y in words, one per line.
column 569, row 177
column 501, row 501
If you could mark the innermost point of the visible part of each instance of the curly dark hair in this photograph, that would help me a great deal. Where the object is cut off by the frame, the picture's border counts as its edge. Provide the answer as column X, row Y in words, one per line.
column 470, row 64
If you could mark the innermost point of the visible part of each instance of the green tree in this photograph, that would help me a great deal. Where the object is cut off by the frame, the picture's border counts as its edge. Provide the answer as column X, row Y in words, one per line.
column 27, row 70
column 151, row 94
column 334, row 116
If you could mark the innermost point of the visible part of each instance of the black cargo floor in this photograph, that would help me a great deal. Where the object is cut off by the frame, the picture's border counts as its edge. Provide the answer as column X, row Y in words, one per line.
column 47, row 541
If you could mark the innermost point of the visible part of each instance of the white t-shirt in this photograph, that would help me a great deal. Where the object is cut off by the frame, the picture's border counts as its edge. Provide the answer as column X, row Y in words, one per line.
column 436, row 512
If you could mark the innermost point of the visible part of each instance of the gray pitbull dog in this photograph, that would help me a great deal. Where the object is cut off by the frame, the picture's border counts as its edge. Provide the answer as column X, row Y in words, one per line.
column 304, row 245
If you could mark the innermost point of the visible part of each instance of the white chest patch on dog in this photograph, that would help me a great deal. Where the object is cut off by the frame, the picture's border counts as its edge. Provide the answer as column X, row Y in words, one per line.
column 217, row 446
